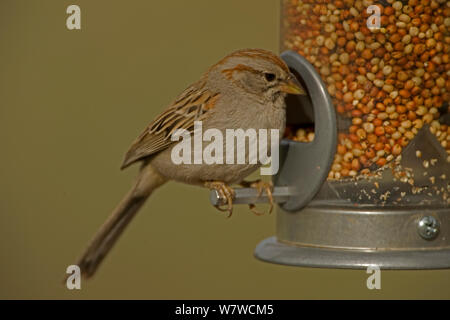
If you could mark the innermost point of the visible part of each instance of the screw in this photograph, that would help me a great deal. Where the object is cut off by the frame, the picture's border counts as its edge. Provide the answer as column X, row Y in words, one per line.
column 428, row 227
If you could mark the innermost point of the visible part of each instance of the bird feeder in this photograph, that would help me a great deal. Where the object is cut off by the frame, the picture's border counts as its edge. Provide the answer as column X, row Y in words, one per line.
column 372, row 187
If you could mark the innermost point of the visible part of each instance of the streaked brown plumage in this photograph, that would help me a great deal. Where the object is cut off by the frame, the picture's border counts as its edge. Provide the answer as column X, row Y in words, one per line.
column 237, row 92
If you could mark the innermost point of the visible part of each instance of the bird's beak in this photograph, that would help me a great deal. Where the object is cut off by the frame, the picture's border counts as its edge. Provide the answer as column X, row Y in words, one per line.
column 292, row 86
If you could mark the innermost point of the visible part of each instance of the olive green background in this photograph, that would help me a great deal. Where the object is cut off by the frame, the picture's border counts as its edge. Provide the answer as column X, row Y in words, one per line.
column 71, row 102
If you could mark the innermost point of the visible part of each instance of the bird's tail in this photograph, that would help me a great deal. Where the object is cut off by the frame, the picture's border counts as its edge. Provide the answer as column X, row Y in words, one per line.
column 148, row 180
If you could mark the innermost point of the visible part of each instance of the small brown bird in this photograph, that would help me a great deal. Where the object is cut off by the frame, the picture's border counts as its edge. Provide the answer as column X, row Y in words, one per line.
column 246, row 89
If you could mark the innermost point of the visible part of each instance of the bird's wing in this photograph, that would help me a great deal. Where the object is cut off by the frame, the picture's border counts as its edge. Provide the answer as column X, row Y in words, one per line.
column 192, row 105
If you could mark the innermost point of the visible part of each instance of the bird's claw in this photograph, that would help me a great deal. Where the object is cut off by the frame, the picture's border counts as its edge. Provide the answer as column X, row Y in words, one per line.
column 260, row 186
column 225, row 192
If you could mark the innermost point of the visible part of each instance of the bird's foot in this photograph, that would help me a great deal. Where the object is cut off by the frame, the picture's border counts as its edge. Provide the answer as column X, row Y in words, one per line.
column 260, row 186
column 225, row 192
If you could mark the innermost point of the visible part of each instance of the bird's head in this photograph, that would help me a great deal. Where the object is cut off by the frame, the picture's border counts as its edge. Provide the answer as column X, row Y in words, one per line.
column 259, row 73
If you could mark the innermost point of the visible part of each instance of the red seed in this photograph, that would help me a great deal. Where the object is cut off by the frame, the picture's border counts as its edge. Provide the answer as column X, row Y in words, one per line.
column 379, row 131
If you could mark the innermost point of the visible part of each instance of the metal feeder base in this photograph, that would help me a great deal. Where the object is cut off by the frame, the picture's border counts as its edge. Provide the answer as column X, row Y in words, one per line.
column 270, row 250
column 404, row 237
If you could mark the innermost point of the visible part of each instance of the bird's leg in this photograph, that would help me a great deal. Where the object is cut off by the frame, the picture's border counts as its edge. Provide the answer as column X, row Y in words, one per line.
column 260, row 186
column 225, row 192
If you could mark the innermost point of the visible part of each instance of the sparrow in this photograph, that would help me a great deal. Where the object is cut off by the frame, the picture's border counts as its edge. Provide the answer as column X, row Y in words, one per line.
column 244, row 90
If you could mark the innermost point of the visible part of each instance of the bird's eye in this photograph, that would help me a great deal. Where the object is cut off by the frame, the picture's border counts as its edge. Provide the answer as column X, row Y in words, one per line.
column 269, row 76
